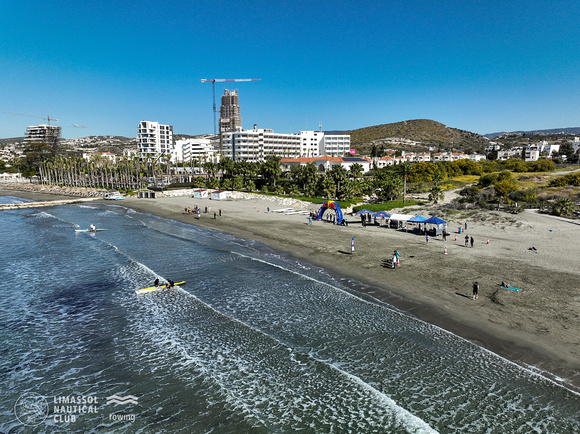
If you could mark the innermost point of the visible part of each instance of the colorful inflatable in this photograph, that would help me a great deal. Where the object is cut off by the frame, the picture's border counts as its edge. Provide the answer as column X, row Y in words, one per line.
column 332, row 205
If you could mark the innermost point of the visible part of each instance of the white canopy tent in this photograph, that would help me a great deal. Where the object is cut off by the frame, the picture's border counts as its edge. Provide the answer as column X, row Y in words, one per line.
column 400, row 218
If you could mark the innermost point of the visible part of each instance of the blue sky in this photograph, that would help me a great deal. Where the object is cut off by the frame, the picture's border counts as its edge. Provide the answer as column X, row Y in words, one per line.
column 100, row 67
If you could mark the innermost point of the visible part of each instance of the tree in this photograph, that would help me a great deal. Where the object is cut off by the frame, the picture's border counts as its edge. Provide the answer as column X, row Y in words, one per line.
column 564, row 207
column 338, row 174
column 388, row 184
column 355, row 170
column 271, row 169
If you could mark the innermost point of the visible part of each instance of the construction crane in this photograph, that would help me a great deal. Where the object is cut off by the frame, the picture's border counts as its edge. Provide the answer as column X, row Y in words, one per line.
column 47, row 118
column 222, row 80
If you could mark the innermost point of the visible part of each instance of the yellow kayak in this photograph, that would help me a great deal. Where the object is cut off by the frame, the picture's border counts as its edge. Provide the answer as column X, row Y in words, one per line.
column 156, row 288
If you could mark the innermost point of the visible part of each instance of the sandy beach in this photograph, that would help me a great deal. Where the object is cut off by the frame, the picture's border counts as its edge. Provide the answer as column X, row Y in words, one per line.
column 537, row 326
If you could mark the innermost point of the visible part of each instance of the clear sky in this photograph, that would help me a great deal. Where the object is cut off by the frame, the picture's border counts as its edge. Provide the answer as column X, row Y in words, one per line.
column 100, row 67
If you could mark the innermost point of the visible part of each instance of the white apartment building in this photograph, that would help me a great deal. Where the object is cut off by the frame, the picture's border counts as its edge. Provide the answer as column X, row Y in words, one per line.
column 335, row 145
column 257, row 144
column 42, row 134
column 194, row 150
column 311, row 143
column 154, row 139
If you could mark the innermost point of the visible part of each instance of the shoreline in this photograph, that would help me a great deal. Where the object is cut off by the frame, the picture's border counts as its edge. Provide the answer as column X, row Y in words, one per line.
column 535, row 327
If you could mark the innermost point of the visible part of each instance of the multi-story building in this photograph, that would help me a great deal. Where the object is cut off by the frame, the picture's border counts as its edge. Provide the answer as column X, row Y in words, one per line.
column 335, row 145
column 230, row 113
column 194, row 151
column 154, row 139
column 49, row 134
column 257, row 144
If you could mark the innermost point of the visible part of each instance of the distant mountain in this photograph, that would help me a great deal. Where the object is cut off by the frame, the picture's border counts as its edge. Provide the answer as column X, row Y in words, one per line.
column 416, row 135
column 571, row 130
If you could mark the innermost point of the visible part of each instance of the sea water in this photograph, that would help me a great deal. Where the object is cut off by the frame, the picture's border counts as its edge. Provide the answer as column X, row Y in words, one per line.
column 254, row 342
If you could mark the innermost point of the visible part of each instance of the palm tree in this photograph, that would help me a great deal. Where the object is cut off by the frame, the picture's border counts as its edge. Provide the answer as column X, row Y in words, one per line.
column 564, row 207
column 338, row 174
column 271, row 168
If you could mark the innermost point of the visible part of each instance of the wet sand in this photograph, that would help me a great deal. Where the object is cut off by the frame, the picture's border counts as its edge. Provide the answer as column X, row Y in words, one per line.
column 536, row 326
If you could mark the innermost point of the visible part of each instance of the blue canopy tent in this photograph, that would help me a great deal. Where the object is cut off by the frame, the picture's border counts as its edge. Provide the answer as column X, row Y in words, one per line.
column 381, row 214
column 439, row 224
column 417, row 219
column 363, row 211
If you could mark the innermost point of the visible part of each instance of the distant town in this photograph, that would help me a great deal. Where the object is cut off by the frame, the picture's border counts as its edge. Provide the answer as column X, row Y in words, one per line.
column 155, row 140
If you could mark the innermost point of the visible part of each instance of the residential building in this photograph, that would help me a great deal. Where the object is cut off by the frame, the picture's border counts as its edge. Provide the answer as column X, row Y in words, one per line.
column 335, row 145
column 311, row 143
column 230, row 113
column 49, row 134
column 154, row 139
column 195, row 151
column 510, row 153
column 532, row 153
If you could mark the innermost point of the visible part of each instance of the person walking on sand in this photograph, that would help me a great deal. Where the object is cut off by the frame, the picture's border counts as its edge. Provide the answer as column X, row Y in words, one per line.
column 397, row 255
column 475, row 290
column 426, row 238
column 394, row 260
column 465, row 225
column 466, row 240
column 471, row 241
column 310, row 220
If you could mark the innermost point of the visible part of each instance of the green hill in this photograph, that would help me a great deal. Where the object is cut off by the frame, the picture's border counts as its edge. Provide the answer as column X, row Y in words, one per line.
column 416, row 135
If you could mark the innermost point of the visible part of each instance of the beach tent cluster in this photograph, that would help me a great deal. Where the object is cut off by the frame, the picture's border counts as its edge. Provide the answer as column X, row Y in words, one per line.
column 404, row 219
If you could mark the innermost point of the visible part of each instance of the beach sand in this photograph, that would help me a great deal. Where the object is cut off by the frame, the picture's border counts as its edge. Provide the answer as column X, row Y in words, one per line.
column 537, row 326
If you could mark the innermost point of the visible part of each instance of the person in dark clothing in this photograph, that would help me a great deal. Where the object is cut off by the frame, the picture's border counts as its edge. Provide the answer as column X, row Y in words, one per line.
column 475, row 290
column 170, row 284
column 156, row 283
column 471, row 241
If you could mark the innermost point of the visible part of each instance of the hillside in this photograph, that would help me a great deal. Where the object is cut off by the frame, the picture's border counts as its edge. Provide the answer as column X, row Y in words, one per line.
column 416, row 135
column 554, row 131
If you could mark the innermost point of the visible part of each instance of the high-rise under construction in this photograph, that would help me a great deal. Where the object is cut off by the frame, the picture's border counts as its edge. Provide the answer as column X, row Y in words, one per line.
column 230, row 117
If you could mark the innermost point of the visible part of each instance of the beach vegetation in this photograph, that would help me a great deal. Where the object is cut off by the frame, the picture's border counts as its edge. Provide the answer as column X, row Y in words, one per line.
column 564, row 207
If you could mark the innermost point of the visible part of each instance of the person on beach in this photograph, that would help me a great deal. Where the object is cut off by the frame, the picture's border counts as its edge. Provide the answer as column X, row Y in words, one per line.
column 220, row 211
column 475, row 290
column 394, row 260
column 397, row 255
column 465, row 225
column 466, row 240
column 426, row 238
column 214, row 215
column 444, row 235
column 310, row 220
column 471, row 241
